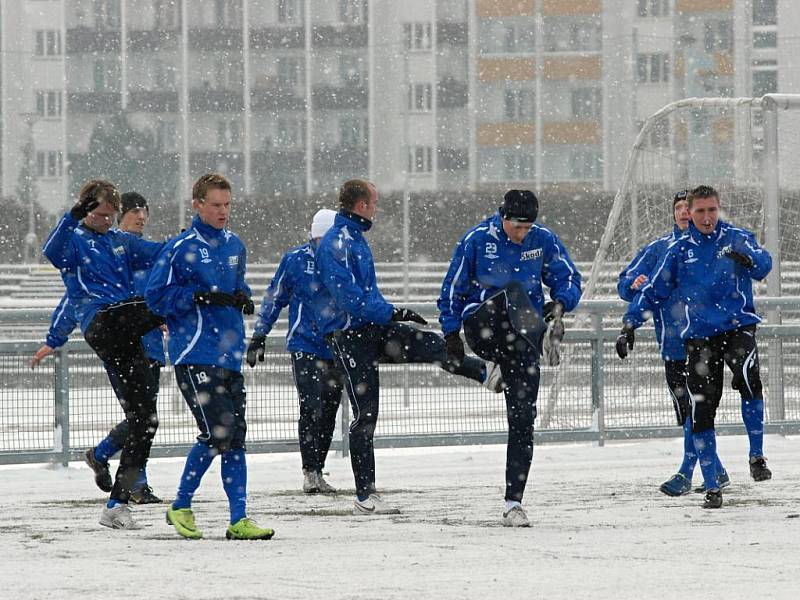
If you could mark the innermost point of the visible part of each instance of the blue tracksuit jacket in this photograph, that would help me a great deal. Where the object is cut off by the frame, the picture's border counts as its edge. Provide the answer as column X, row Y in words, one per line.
column 717, row 293
column 97, row 270
column 668, row 316
column 295, row 284
column 200, row 259
column 349, row 295
column 486, row 260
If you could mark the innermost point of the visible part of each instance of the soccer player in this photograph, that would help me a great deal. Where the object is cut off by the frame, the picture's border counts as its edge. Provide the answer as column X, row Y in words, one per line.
column 667, row 319
column 198, row 285
column 364, row 329
column 316, row 375
column 713, row 266
column 133, row 218
column 494, row 288
column 97, row 265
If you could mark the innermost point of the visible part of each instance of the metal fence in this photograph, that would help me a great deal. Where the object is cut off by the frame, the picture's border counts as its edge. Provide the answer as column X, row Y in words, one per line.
column 66, row 405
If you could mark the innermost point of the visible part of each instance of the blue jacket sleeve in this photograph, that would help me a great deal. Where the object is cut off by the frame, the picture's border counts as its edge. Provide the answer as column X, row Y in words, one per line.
column 560, row 274
column 639, row 310
column 337, row 277
column 762, row 261
column 165, row 294
column 58, row 248
column 143, row 252
column 276, row 298
column 663, row 280
column 241, row 283
column 642, row 264
column 455, row 287
column 62, row 323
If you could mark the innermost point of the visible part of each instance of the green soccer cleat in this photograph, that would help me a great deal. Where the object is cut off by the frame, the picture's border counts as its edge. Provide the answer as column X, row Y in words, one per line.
column 182, row 520
column 246, row 529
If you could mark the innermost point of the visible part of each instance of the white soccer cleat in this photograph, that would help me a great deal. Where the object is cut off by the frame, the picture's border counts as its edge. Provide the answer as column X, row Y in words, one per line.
column 373, row 505
column 119, row 517
column 515, row 517
column 494, row 378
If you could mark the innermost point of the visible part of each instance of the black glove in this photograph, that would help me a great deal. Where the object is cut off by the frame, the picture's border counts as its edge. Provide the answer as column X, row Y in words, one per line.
column 84, row 207
column 244, row 303
column 554, row 309
column 216, row 299
column 739, row 258
column 625, row 340
column 455, row 346
column 406, row 314
column 255, row 349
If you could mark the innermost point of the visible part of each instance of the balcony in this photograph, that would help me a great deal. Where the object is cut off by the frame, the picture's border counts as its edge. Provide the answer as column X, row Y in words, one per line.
column 215, row 100
column 215, row 39
column 82, row 40
column 328, row 97
column 452, row 33
column 94, row 102
column 452, row 159
column 451, row 93
column 225, row 162
column 277, row 37
column 347, row 36
column 271, row 99
column 278, row 161
column 341, row 159
column 152, row 40
column 156, row 101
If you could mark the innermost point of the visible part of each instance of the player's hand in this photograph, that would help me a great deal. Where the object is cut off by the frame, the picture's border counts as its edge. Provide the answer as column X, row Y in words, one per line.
column 738, row 258
column 244, row 303
column 639, row 282
column 84, row 207
column 40, row 355
column 625, row 340
column 256, row 348
column 210, row 298
column 455, row 346
column 406, row 314
column 553, row 309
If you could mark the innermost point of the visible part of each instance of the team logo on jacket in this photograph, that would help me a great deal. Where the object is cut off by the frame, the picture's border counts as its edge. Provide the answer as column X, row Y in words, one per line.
column 531, row 254
column 233, row 260
column 204, row 258
column 118, row 251
column 491, row 250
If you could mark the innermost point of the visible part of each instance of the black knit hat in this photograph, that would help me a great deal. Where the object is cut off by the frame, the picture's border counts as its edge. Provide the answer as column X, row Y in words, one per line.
column 680, row 196
column 520, row 205
column 132, row 201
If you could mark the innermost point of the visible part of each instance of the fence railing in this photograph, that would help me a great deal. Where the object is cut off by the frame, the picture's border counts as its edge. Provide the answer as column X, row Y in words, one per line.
column 66, row 405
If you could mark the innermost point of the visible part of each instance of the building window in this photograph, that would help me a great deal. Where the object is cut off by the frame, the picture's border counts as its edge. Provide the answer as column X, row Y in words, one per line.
column 350, row 70
column 420, row 97
column 106, row 14
column 228, row 13
column 587, row 103
column 718, row 35
column 168, row 14
column 49, row 163
column 165, row 75
column 353, row 132
column 229, row 134
column 417, row 36
column 518, row 105
column 48, row 42
column 48, row 104
column 353, row 12
column 652, row 68
column 506, row 36
column 765, row 82
column 288, row 72
column 585, row 164
column 765, row 12
column 765, row 39
column 653, row 8
column 290, row 12
column 167, row 136
column 106, row 75
column 289, row 133
column 519, row 166
column 420, row 159
column 228, row 73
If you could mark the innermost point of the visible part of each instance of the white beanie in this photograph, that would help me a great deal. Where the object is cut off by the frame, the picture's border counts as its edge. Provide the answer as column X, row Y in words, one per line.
column 323, row 221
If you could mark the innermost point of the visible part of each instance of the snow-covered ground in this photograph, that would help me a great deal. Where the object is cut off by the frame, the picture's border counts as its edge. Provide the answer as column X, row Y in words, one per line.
column 600, row 529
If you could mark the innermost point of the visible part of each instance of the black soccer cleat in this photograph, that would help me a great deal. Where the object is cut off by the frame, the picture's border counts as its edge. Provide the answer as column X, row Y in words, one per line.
column 101, row 475
column 144, row 495
column 713, row 499
column 758, row 469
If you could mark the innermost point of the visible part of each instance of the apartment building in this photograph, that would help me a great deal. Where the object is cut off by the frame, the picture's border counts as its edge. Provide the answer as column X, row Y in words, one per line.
column 293, row 96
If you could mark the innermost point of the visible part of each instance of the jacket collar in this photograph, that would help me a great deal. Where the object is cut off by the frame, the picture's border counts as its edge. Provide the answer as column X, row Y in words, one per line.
column 697, row 236
column 345, row 217
column 207, row 232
